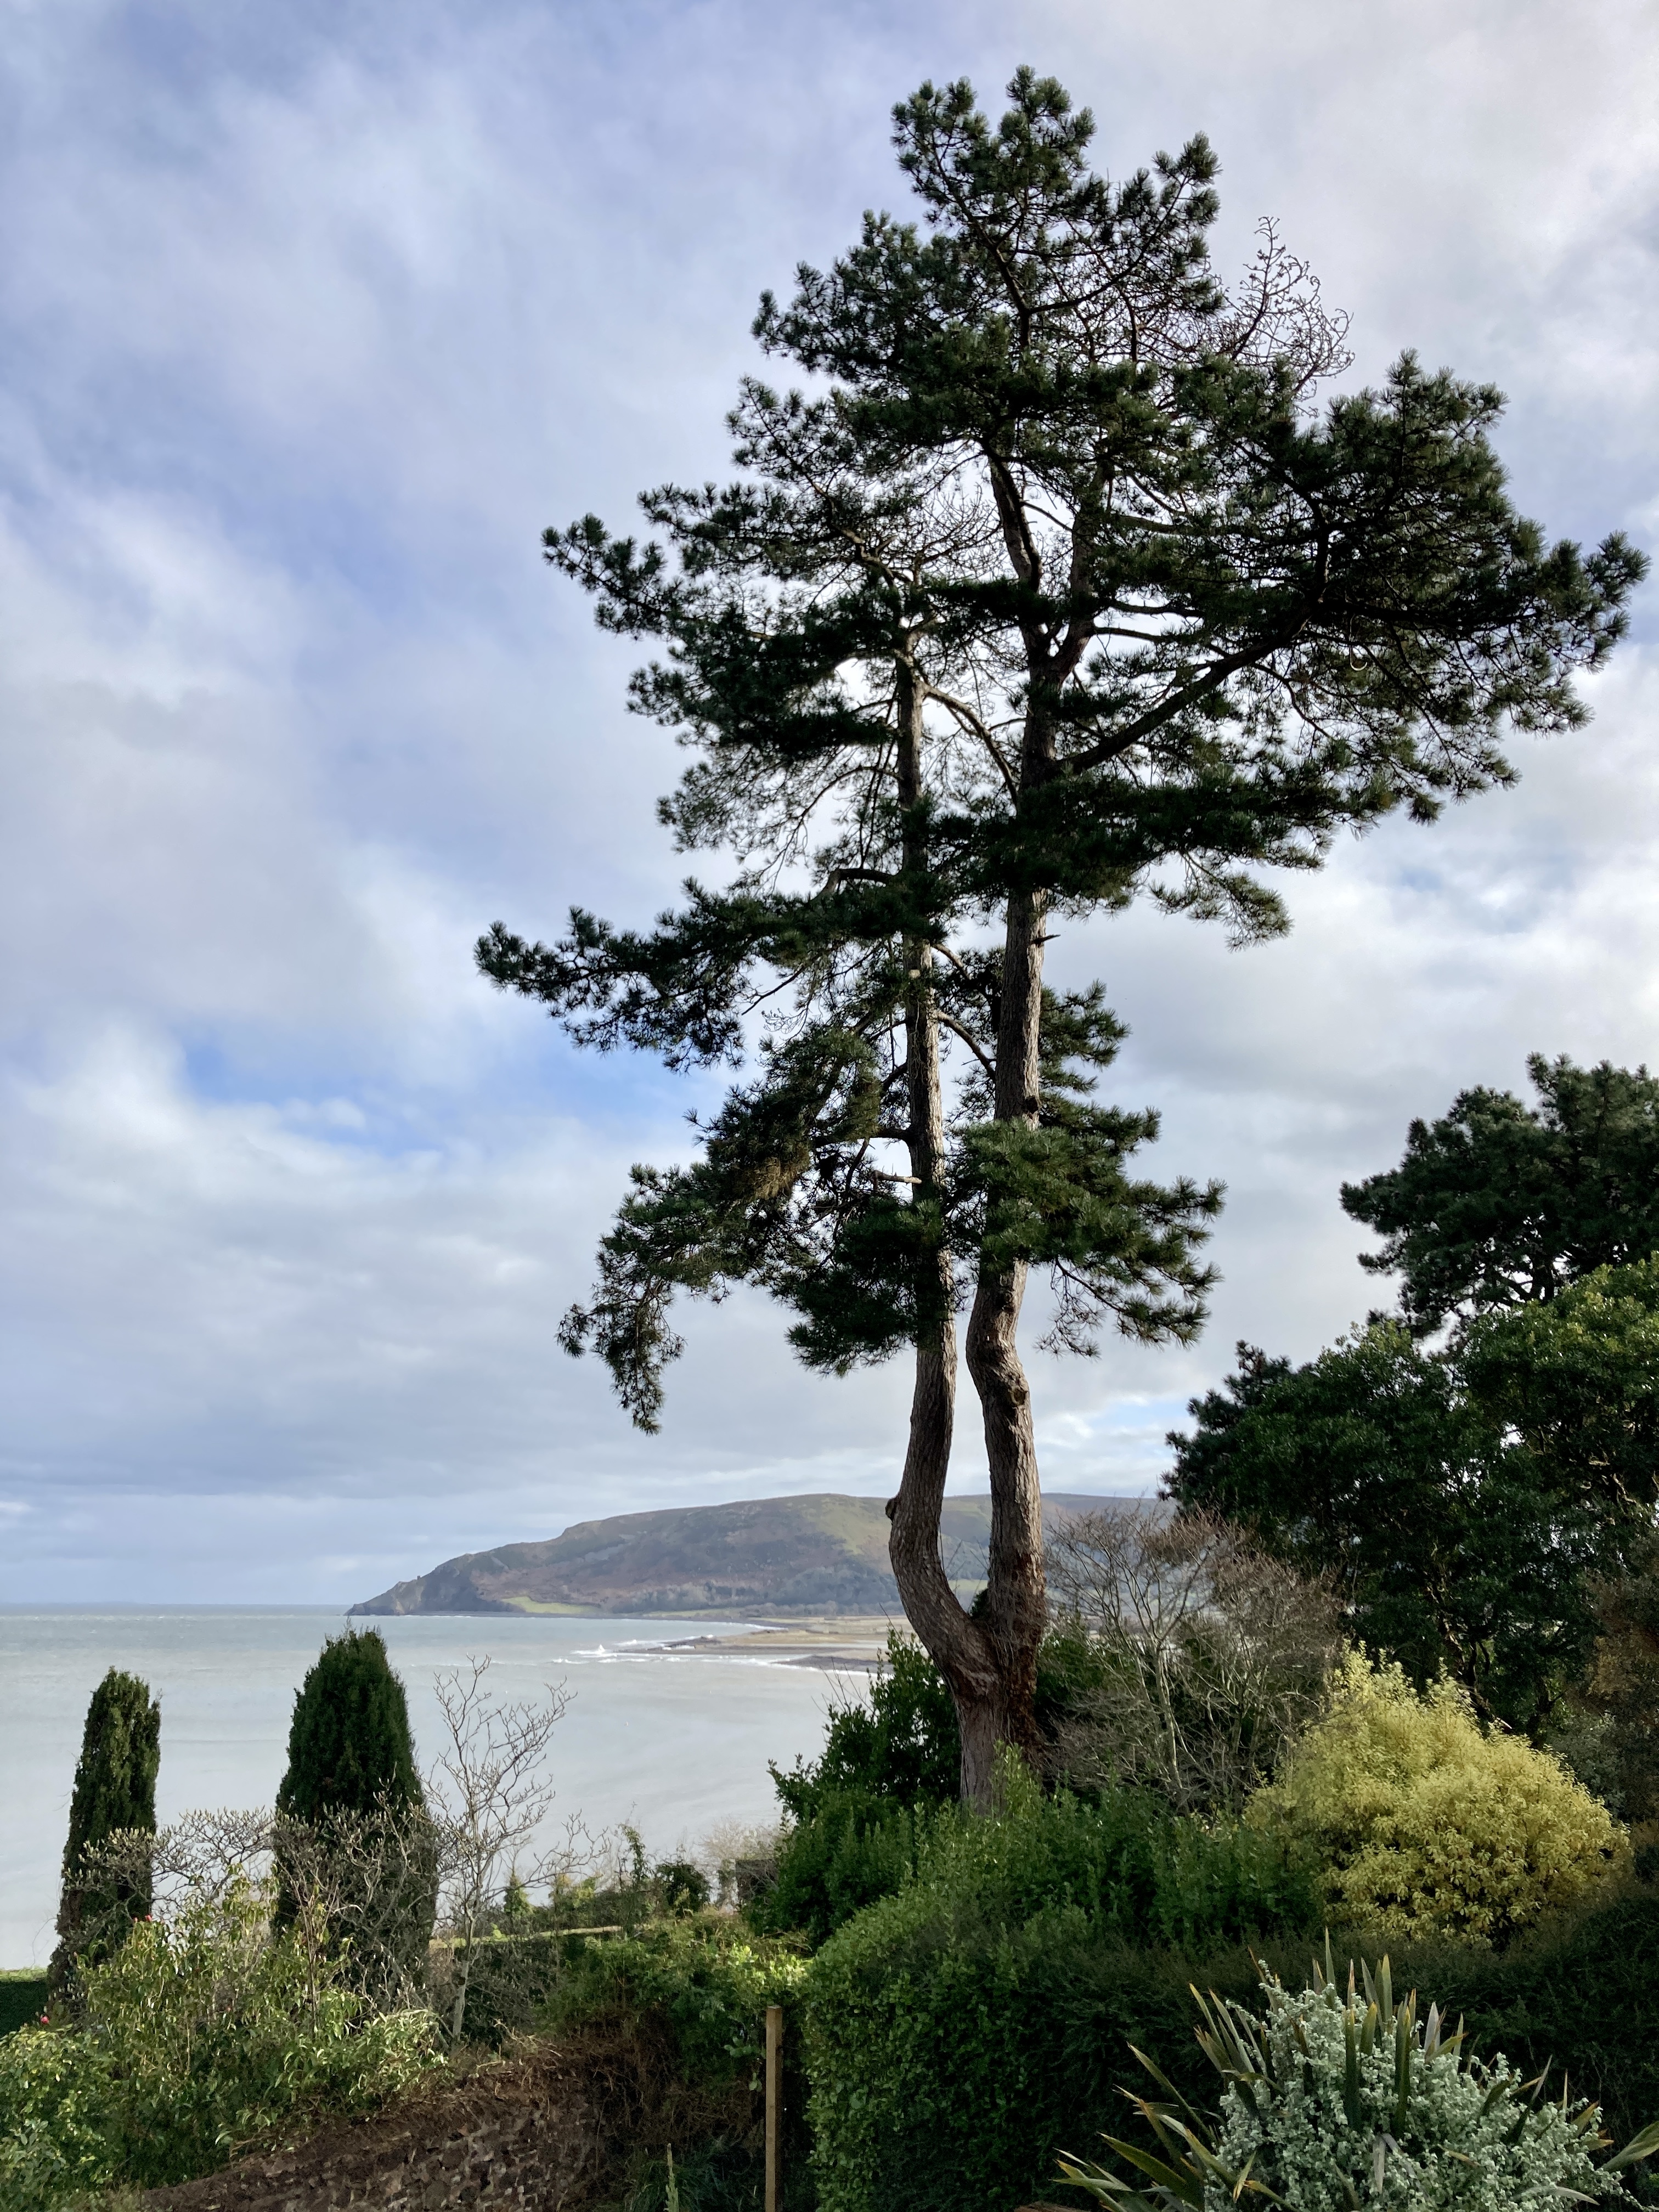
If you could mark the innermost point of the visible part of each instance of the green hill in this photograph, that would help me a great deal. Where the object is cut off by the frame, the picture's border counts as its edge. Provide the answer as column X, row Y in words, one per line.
column 821, row 1554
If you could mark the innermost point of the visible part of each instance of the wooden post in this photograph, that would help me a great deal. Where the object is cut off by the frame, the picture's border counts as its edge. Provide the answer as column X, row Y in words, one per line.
column 774, row 2100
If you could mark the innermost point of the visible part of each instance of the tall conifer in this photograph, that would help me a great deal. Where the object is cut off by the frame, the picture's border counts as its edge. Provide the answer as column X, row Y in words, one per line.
column 114, row 1791
column 349, row 1749
column 1060, row 591
column 352, row 1815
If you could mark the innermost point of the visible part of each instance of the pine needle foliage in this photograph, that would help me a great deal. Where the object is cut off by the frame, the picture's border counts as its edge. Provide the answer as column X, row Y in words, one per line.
column 1498, row 1203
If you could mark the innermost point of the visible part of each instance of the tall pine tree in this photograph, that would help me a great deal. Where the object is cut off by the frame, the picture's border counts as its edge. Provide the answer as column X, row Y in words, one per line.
column 1060, row 591
column 114, row 1792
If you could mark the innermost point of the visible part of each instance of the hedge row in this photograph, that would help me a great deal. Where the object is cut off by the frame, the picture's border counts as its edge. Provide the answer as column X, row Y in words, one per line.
column 953, row 2054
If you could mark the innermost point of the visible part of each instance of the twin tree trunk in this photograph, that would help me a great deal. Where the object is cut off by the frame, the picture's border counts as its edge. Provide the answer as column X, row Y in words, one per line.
column 989, row 1662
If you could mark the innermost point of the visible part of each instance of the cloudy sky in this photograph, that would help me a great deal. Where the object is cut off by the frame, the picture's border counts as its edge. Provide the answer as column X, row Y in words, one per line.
column 312, row 316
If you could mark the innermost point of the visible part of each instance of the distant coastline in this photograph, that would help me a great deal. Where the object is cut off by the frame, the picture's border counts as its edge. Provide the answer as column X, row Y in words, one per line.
column 799, row 1558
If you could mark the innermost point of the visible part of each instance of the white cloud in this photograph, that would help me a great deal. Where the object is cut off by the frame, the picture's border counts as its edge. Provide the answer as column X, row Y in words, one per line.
column 315, row 318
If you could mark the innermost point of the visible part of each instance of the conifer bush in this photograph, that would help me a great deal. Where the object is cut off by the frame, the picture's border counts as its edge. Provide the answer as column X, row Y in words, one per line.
column 350, row 1749
column 1425, row 1823
column 355, row 1815
column 114, row 1794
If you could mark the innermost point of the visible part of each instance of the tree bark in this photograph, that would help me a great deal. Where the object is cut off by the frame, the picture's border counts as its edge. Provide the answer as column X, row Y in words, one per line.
column 957, row 1646
column 1016, row 1597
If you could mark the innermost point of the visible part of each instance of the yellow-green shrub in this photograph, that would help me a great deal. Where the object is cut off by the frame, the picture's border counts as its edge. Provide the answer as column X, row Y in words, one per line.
column 1426, row 1823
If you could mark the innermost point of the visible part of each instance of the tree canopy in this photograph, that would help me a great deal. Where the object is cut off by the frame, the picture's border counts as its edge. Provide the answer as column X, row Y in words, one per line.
column 1498, row 1202
column 1465, row 1501
column 1056, row 587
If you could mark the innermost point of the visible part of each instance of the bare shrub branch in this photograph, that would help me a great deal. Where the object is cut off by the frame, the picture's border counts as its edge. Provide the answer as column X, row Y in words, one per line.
column 1209, row 1655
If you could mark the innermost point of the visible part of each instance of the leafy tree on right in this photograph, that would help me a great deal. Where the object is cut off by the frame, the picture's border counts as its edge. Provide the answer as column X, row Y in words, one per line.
column 1482, row 1504
column 1498, row 1202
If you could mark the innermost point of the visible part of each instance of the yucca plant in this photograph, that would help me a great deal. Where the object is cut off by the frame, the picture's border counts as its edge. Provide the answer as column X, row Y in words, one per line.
column 1340, row 2099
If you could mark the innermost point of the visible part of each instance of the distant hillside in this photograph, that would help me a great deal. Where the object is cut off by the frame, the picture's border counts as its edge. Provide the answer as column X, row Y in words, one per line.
column 767, row 1555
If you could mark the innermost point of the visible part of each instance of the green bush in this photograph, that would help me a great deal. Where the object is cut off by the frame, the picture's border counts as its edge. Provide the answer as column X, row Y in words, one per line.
column 1426, row 1822
column 679, row 2011
column 708, row 1982
column 350, row 1747
column 957, row 2031
column 114, row 1792
column 854, row 1849
column 198, row 2037
column 953, row 2058
column 903, row 1748
column 55, row 2141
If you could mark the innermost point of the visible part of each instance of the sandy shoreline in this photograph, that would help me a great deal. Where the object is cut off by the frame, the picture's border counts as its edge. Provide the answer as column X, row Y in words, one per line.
column 850, row 1644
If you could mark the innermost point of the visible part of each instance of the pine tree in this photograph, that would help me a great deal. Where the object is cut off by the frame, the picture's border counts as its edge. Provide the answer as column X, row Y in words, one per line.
column 114, row 1791
column 1498, row 1203
column 1061, row 592
column 349, row 1749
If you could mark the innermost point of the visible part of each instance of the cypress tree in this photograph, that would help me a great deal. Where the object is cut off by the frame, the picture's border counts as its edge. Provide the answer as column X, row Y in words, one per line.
column 114, row 1790
column 350, row 1749
column 1059, row 590
column 352, row 1782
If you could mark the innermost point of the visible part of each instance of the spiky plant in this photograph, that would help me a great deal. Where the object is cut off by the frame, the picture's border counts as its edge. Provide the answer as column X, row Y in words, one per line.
column 1350, row 2098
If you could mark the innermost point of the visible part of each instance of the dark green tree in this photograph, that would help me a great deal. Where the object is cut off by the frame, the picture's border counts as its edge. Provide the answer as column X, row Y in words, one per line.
column 1499, row 1202
column 352, row 1823
column 1060, row 591
column 349, row 1749
column 114, row 1791
column 1465, row 1501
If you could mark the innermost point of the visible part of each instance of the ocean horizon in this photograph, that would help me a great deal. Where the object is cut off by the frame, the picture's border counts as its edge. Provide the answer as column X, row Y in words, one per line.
column 676, row 1740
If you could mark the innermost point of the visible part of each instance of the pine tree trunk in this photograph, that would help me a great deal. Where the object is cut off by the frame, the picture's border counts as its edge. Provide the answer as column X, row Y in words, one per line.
column 1016, row 1603
column 955, row 1643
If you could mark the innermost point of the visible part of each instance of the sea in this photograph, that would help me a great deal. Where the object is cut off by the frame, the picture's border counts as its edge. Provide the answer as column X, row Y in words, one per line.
column 677, row 1742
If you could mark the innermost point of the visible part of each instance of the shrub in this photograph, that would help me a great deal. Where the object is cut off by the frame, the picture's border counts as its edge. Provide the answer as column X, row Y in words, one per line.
column 1328, row 2096
column 114, row 1792
column 54, row 2143
column 901, row 1747
column 350, row 1747
column 1425, row 1823
column 956, row 2031
column 352, row 1818
column 679, row 2012
column 200, row 2037
column 953, row 2059
column 854, row 1849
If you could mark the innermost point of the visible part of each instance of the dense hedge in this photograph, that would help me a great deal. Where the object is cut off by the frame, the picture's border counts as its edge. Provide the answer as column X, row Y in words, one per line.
column 688, row 2001
column 956, row 2042
column 23, row 1997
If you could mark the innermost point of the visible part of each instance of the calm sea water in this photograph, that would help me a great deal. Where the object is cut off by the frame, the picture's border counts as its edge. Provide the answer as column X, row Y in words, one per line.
column 675, row 1742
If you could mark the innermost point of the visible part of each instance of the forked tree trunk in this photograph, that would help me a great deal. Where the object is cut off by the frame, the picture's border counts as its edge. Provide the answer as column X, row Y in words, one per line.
column 958, row 1648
